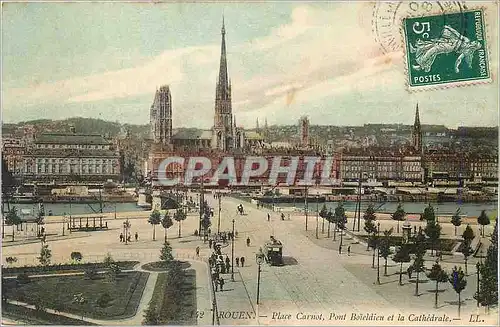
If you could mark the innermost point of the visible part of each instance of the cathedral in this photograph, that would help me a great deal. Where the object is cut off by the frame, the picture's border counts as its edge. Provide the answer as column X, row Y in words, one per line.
column 224, row 136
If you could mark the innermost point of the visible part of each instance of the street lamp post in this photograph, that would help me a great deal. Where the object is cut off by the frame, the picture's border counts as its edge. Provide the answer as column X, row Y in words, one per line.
column 478, row 265
column 305, row 206
column 259, row 260
column 378, row 253
column 232, row 254
column 218, row 220
column 317, row 216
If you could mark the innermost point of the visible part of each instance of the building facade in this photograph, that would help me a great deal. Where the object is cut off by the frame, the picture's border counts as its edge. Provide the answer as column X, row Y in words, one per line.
column 70, row 157
column 13, row 151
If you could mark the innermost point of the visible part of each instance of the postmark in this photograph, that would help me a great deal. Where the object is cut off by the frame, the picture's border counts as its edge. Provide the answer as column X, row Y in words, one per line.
column 387, row 18
column 446, row 49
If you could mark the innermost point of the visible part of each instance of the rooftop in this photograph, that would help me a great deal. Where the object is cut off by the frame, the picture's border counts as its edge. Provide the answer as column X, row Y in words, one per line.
column 71, row 138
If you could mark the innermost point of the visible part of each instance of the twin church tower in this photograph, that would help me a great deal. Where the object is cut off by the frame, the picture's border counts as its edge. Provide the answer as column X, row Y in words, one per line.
column 223, row 136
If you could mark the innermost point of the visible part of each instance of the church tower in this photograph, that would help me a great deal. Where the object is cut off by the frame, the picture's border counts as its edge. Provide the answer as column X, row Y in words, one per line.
column 161, row 116
column 223, row 131
column 417, row 133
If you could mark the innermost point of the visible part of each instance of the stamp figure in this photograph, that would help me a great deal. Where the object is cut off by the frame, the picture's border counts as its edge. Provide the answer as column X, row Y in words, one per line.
column 446, row 49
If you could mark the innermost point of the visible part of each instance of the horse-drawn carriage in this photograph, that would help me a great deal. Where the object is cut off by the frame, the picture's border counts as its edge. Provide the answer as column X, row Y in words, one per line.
column 273, row 252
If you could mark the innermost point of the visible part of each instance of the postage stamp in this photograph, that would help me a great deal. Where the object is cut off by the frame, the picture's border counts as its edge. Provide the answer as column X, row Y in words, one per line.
column 446, row 49
column 249, row 163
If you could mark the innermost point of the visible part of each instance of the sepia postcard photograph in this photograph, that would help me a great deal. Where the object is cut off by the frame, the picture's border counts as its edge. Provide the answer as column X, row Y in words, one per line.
column 278, row 163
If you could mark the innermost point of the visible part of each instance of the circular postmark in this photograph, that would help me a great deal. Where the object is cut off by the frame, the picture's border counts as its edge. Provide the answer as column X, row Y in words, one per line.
column 387, row 18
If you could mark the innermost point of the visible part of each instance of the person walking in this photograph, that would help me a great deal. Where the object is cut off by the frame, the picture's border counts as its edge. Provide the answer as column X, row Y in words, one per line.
column 121, row 237
column 268, row 217
column 136, row 236
column 237, row 262
column 242, row 260
column 248, row 241
column 349, row 250
column 210, row 243
column 197, row 251
column 228, row 267
column 227, row 260
column 221, row 282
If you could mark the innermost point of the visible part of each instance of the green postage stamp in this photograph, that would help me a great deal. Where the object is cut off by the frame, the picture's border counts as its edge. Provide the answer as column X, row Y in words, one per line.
column 446, row 49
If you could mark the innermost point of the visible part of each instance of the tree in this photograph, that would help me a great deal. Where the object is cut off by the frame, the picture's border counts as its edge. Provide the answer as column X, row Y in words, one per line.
column 154, row 219
column 76, row 256
column 399, row 215
column 206, row 223
column 113, row 272
column 459, row 282
column 385, row 248
column 488, row 287
column 438, row 275
column 491, row 259
column 418, row 267
column 338, row 217
column 108, row 260
column 12, row 218
column 151, row 317
column 45, row 255
column 433, row 232
column 329, row 218
column 370, row 227
column 166, row 223
column 468, row 234
column 323, row 214
column 428, row 213
column 166, row 254
column 483, row 220
column 402, row 255
column 466, row 251
column 456, row 220
column 179, row 216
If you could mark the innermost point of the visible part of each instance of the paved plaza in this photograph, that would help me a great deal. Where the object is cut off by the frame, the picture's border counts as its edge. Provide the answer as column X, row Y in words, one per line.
column 317, row 285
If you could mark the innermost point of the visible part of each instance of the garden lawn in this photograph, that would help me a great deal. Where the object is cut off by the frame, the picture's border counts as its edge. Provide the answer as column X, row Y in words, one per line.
column 33, row 317
column 104, row 299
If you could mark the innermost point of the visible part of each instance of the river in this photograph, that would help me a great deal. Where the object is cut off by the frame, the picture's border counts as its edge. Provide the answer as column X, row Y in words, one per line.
column 61, row 209
column 444, row 208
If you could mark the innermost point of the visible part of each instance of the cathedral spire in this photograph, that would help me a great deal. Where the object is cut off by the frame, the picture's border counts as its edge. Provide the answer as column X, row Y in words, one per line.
column 417, row 117
column 223, row 80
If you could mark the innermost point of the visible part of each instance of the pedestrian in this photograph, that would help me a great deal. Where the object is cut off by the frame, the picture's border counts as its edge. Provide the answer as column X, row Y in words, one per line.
column 248, row 241
column 209, row 232
column 340, row 249
column 129, row 238
column 221, row 282
column 210, row 243
column 282, row 216
column 349, row 250
column 136, row 236
column 227, row 260
column 210, row 262
column 268, row 217
column 121, row 237
column 242, row 260
column 237, row 262
column 228, row 267
column 197, row 251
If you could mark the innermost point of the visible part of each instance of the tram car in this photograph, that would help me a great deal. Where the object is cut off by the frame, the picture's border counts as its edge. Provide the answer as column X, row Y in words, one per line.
column 273, row 252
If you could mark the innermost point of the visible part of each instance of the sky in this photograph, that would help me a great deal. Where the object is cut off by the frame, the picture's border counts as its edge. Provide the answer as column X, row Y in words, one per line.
column 285, row 60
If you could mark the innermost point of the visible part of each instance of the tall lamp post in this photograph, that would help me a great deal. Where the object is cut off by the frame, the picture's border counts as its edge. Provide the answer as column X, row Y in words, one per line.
column 305, row 206
column 478, row 266
column 259, row 259
column 126, row 226
column 378, row 253
column 232, row 254
column 218, row 220
column 317, row 215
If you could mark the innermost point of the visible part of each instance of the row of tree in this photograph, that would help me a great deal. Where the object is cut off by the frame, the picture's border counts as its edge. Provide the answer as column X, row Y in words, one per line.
column 166, row 221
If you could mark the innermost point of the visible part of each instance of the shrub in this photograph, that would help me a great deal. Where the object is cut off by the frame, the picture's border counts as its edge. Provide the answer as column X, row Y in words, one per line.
column 104, row 300
column 90, row 273
column 23, row 278
column 11, row 260
column 76, row 256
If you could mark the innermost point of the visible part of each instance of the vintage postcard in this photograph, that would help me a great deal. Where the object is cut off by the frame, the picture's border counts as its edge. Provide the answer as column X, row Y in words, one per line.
column 250, row 163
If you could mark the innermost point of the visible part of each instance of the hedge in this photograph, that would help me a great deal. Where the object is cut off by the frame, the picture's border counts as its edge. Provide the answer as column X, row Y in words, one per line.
column 124, row 265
